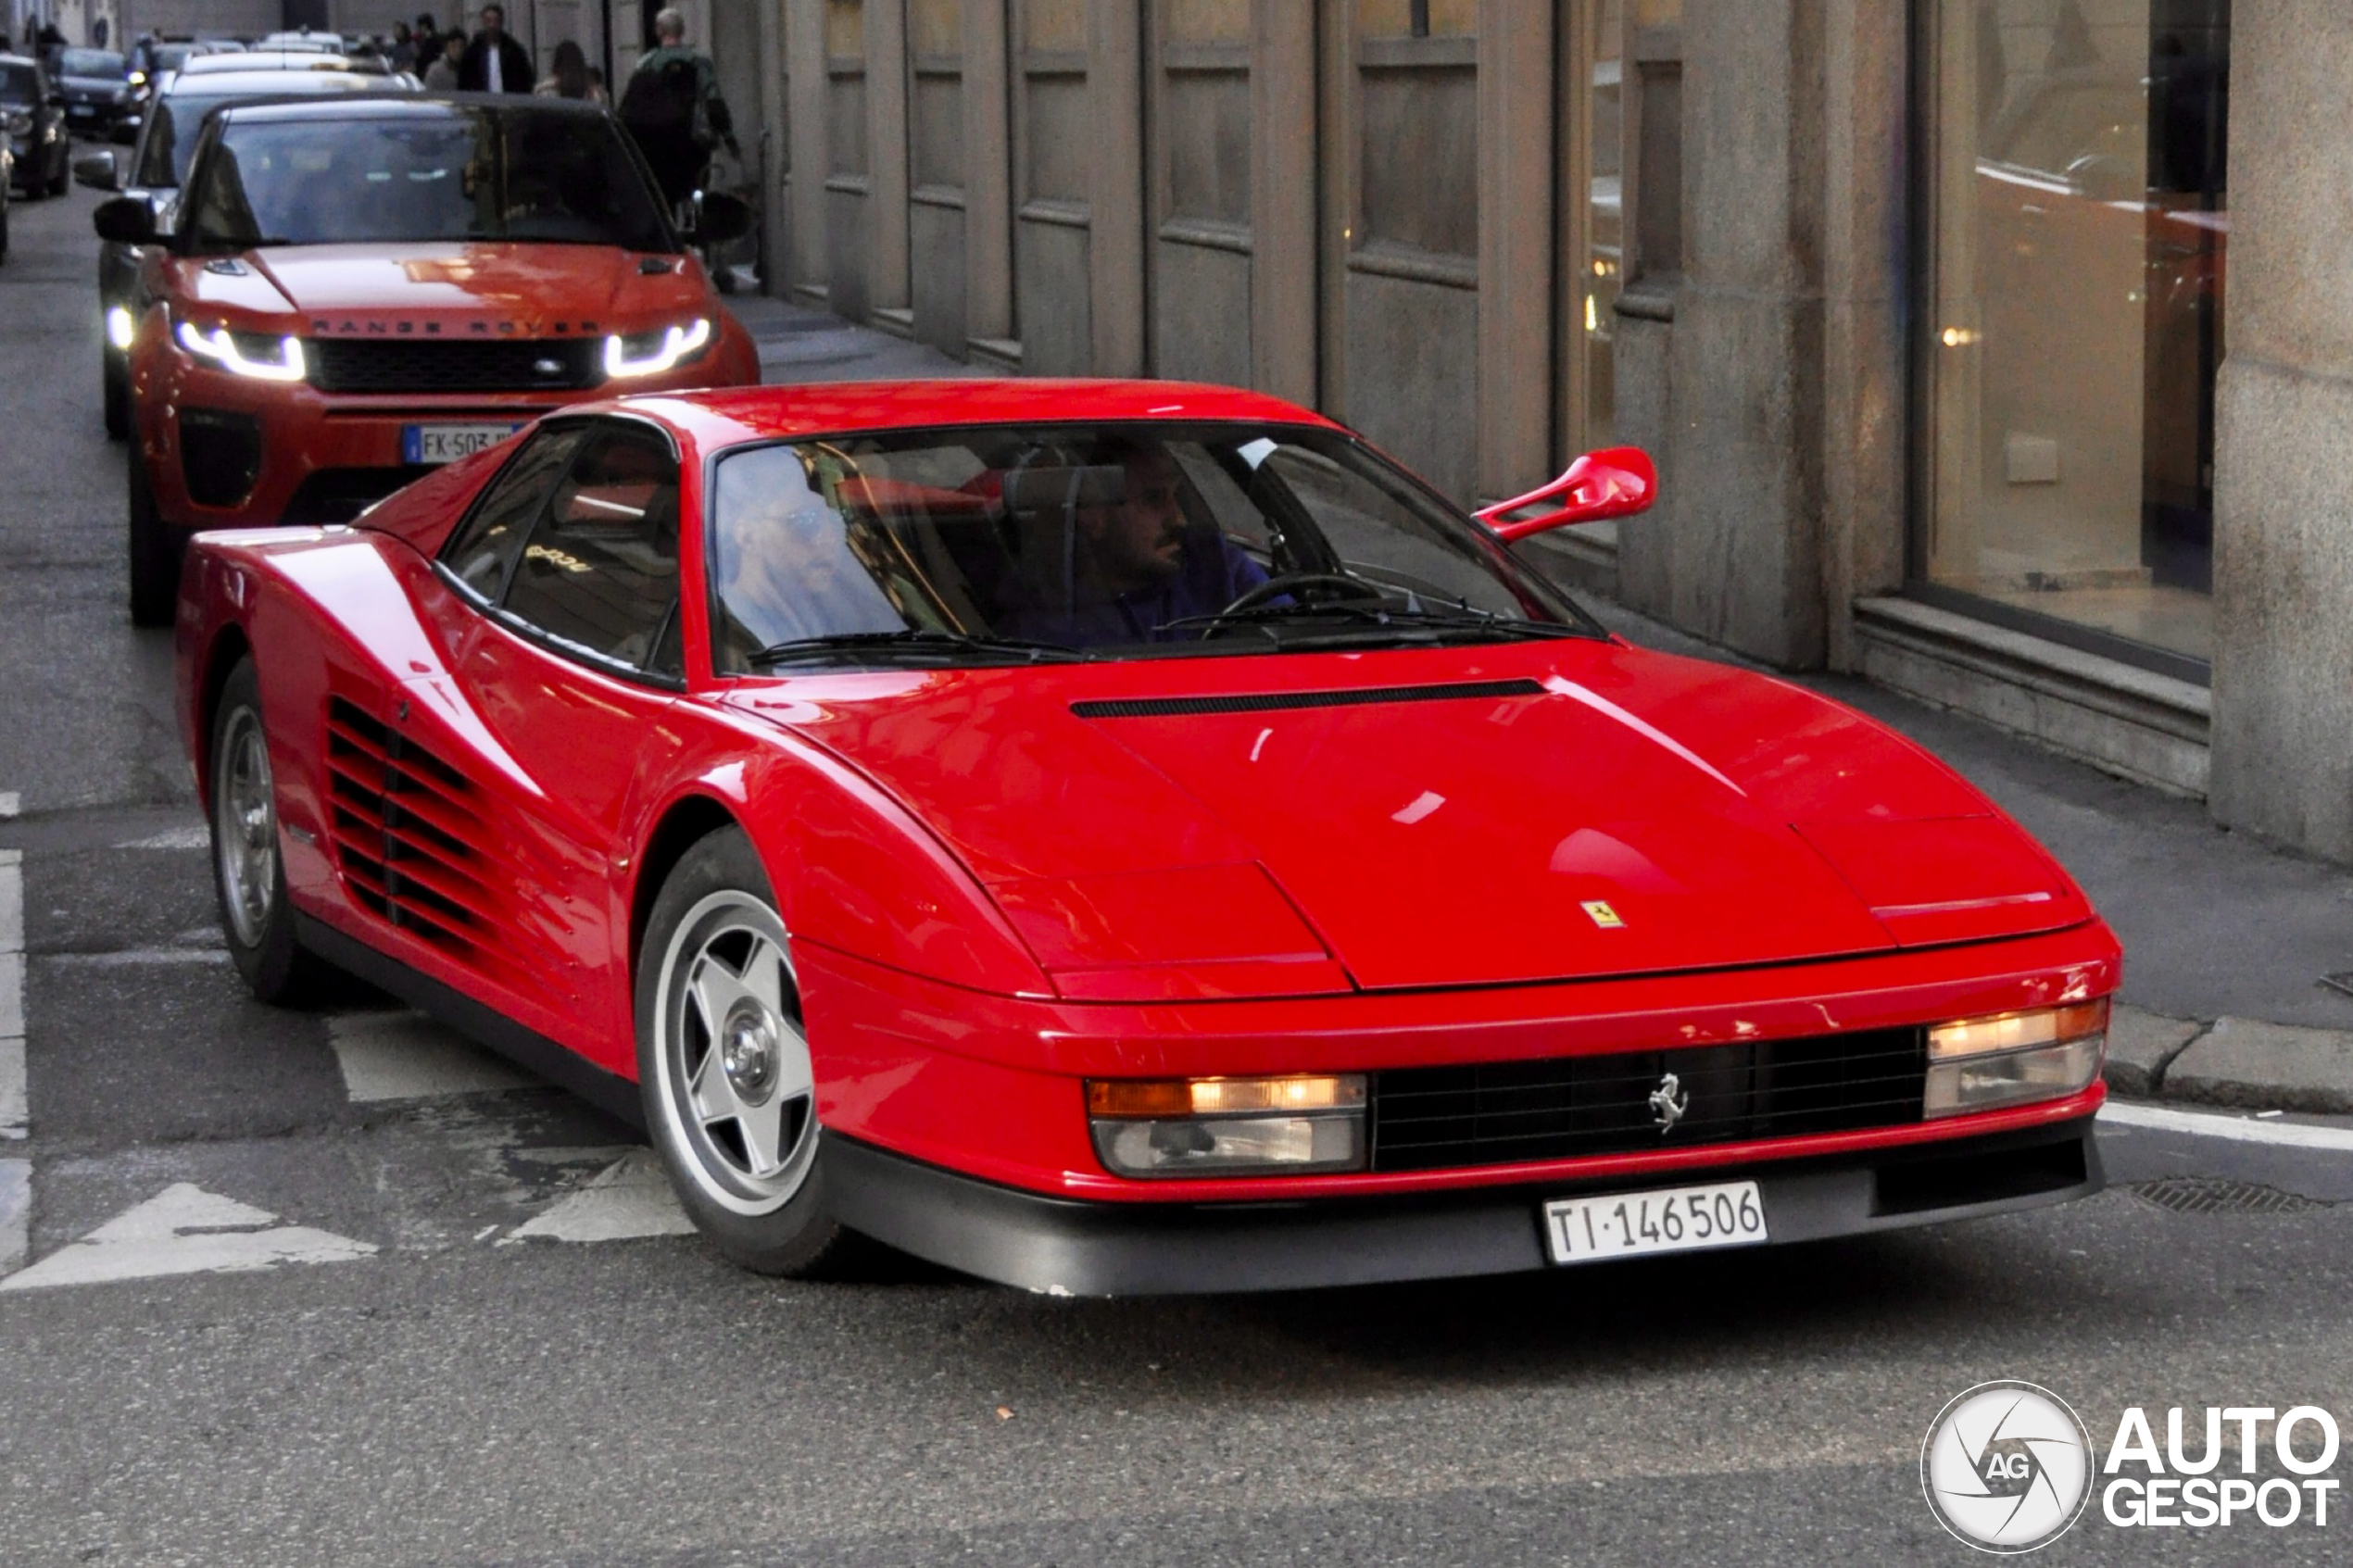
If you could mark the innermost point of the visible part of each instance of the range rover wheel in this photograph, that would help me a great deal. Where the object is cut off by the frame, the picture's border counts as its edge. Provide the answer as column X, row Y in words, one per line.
column 155, row 565
column 247, row 876
column 723, row 1064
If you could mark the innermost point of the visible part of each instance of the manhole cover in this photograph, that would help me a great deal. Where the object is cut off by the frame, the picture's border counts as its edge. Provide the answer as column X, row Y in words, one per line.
column 2208, row 1194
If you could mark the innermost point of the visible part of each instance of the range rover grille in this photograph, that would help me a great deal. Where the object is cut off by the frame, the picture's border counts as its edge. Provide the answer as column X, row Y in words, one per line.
column 426, row 364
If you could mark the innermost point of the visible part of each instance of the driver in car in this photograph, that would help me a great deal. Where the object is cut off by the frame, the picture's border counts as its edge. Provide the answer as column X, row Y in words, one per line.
column 1132, row 567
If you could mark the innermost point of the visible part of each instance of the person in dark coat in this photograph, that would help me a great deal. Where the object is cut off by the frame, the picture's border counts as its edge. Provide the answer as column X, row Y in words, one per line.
column 494, row 62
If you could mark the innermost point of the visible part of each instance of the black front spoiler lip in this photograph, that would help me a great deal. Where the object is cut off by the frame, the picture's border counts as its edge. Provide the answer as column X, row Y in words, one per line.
column 1066, row 1248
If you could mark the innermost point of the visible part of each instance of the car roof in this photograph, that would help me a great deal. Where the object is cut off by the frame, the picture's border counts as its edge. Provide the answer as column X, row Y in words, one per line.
column 281, row 59
column 729, row 416
column 274, row 83
column 391, row 105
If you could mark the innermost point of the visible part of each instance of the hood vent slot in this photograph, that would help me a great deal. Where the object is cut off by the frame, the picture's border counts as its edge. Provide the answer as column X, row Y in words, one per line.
column 408, row 835
column 1281, row 702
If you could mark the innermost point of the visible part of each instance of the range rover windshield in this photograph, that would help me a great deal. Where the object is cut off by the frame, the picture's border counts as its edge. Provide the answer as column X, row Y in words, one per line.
column 1045, row 544
column 444, row 174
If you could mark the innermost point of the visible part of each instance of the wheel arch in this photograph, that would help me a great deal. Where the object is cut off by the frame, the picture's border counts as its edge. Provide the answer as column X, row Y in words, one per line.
column 229, row 645
column 685, row 824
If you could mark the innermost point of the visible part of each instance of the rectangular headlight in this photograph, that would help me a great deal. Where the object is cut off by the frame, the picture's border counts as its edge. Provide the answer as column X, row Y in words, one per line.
column 1223, row 1127
column 2014, row 1057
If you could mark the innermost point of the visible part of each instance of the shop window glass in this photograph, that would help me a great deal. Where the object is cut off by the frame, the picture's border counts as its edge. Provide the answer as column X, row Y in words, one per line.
column 2075, row 321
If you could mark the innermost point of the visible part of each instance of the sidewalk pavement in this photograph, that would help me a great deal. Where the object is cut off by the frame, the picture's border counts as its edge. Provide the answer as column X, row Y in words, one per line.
column 2225, row 939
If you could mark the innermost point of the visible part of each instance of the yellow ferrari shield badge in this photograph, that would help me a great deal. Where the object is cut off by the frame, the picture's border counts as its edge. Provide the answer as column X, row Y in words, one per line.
column 1599, row 911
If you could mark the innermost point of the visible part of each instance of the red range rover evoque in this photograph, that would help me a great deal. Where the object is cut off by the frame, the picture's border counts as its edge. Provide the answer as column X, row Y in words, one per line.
column 359, row 289
column 1114, row 837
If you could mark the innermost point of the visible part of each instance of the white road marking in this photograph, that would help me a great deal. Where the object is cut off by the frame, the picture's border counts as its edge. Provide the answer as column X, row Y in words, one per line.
column 10, row 803
column 16, row 1211
column 185, row 1230
column 15, row 1113
column 2239, row 1129
column 630, row 1198
column 392, row 1056
column 172, row 839
column 137, row 957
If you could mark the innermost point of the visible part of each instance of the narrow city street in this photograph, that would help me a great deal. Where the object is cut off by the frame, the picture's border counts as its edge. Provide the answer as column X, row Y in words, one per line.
column 332, row 1286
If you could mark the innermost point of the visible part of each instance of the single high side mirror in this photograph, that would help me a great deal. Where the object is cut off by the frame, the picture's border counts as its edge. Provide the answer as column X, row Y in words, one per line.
column 720, row 218
column 126, row 220
column 97, row 170
column 1614, row 481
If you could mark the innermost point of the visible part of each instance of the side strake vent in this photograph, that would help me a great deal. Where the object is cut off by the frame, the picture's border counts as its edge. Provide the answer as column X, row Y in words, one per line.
column 1276, row 702
column 407, row 836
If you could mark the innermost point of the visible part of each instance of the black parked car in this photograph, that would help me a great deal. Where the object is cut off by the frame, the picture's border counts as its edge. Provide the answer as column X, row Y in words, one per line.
column 34, row 114
column 99, row 97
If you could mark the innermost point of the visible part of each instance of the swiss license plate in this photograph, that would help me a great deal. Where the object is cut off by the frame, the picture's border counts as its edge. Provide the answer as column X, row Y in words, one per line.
column 1628, row 1224
column 446, row 444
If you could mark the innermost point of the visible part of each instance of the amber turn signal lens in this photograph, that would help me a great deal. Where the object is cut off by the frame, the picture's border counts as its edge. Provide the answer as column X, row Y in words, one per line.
column 2016, row 1031
column 1222, row 1097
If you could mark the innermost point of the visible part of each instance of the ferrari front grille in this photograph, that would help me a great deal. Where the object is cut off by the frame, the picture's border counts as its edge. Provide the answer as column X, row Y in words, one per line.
column 407, row 835
column 457, row 365
column 1498, row 1113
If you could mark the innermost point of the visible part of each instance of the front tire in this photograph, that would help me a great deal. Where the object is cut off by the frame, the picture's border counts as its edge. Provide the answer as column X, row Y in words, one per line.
column 724, row 1064
column 249, row 876
column 114, row 382
column 153, row 563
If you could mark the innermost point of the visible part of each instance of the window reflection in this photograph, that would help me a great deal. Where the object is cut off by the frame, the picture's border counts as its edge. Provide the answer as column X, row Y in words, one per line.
column 2080, row 220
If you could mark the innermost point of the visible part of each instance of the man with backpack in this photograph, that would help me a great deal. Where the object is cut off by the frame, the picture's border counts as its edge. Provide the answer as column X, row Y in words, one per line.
column 673, row 107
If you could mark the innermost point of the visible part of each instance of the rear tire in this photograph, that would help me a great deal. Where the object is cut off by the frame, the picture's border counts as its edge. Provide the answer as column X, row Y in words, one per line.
column 154, row 561
column 59, row 182
column 723, row 1063
column 114, row 381
column 249, row 873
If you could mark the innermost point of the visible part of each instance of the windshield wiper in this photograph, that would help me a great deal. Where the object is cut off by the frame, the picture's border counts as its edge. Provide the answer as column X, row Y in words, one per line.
column 918, row 642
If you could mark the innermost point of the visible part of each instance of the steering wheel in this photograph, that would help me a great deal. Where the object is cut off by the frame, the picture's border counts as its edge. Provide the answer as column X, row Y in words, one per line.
column 1295, row 582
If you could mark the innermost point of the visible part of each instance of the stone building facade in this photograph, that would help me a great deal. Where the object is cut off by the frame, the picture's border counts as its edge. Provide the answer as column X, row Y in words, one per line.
column 1918, row 304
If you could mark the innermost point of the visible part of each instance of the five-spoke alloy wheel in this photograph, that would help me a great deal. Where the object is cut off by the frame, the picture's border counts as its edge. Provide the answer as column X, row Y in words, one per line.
column 723, row 1062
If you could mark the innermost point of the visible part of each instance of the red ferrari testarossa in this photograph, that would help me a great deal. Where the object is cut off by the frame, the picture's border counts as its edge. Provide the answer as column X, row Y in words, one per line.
column 1124, row 837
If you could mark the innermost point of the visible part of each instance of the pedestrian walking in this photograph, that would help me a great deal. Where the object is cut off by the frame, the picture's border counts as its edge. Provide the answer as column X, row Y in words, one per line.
column 495, row 62
column 673, row 107
column 404, row 47
column 442, row 75
column 569, row 76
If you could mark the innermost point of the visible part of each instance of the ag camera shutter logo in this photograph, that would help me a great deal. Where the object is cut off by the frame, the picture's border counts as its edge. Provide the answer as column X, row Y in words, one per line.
column 2006, row 1467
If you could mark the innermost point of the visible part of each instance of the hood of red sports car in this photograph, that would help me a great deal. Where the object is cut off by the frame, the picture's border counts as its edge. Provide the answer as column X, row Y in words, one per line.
column 530, row 290
column 1543, row 812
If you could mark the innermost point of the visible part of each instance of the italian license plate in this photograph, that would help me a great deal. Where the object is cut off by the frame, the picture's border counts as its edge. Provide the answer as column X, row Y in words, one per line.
column 1630, row 1224
column 446, row 444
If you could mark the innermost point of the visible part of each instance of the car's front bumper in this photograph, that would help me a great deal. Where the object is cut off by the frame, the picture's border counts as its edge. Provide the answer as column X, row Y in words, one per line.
column 1063, row 1247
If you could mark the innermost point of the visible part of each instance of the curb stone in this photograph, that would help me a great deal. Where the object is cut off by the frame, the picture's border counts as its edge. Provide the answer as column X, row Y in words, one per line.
column 2271, row 1066
column 2141, row 1046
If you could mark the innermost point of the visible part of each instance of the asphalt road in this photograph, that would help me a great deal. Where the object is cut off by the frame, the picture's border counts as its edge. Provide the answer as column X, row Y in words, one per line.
column 429, row 1314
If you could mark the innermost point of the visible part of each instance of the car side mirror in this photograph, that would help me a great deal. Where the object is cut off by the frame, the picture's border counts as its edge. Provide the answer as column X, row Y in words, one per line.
column 1614, row 481
column 719, row 219
column 126, row 220
column 97, row 170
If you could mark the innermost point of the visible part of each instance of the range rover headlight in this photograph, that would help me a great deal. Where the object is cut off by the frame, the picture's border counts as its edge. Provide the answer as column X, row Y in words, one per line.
column 254, row 355
column 649, row 354
column 17, row 122
column 2014, row 1057
column 1229, row 1127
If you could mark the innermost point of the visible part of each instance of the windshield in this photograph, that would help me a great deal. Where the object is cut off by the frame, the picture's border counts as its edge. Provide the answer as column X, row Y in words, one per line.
column 17, row 83
column 90, row 62
column 172, row 141
column 469, row 174
column 1097, row 541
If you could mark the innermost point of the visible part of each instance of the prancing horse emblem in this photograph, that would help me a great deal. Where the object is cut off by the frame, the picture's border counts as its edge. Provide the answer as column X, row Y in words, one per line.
column 1668, row 1102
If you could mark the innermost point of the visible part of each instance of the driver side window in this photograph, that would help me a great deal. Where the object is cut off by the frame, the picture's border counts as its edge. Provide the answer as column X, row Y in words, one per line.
column 599, row 572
